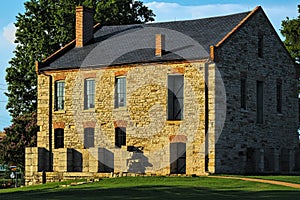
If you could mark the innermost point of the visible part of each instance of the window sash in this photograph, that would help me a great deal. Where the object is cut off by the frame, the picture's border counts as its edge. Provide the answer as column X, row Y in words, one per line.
column 120, row 94
column 89, row 134
column 279, row 96
column 243, row 93
column 59, row 95
column 58, row 138
column 89, row 93
column 120, row 137
column 260, row 45
column 259, row 102
column 175, row 97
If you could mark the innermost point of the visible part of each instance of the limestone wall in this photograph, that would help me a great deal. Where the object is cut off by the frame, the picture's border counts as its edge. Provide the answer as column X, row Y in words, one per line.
column 144, row 117
column 276, row 138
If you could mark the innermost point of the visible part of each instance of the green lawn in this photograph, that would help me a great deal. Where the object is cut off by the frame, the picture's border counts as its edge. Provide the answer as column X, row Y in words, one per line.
column 144, row 188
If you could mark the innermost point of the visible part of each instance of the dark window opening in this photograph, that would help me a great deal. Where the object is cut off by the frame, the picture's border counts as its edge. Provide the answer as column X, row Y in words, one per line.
column 259, row 102
column 59, row 138
column 89, row 93
column 89, row 134
column 279, row 96
column 178, row 158
column 120, row 137
column 59, row 95
column 260, row 45
column 120, row 92
column 244, row 93
column 175, row 97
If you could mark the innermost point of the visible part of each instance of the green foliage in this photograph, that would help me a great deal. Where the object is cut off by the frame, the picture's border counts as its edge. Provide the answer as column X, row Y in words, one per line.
column 122, row 12
column 291, row 31
column 46, row 26
column 21, row 134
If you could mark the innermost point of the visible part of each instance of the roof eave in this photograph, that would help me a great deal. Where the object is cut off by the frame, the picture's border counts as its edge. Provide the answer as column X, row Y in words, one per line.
column 60, row 52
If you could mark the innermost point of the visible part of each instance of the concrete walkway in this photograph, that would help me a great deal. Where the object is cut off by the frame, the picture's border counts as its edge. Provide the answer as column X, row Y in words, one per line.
column 293, row 185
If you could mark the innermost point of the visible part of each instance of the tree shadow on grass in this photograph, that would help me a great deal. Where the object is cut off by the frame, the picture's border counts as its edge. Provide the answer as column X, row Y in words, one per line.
column 152, row 192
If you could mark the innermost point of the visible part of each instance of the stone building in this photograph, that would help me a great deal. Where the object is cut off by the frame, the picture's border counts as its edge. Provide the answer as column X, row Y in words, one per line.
column 213, row 95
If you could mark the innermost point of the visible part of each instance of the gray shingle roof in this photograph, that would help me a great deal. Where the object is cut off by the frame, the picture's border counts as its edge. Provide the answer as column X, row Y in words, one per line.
column 125, row 44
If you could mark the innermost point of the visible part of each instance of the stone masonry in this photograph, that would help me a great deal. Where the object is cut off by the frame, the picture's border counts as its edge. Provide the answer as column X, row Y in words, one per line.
column 215, row 135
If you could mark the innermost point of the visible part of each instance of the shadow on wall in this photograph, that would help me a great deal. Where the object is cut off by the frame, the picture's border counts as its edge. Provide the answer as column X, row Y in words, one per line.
column 105, row 160
column 137, row 162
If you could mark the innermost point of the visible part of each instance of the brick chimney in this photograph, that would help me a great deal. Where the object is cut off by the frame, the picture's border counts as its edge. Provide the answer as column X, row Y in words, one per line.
column 84, row 25
column 159, row 45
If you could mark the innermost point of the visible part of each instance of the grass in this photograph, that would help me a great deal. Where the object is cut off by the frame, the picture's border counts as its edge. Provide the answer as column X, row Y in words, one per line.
column 146, row 188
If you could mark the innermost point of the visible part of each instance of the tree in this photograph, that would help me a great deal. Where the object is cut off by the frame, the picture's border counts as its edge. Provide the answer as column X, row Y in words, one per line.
column 122, row 12
column 21, row 134
column 291, row 31
column 46, row 26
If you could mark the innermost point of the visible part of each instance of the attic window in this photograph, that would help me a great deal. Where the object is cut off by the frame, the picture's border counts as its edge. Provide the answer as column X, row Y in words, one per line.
column 260, row 45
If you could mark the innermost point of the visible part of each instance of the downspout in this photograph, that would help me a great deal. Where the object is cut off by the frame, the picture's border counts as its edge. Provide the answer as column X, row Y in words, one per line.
column 50, row 156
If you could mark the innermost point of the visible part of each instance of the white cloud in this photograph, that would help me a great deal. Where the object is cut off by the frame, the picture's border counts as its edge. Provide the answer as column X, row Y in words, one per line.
column 174, row 11
column 9, row 33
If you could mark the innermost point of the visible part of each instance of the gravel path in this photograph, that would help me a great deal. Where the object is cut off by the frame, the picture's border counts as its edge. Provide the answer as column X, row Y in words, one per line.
column 293, row 185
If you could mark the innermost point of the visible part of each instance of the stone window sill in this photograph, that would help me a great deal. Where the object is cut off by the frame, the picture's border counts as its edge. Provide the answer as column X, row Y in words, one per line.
column 91, row 110
column 244, row 110
column 59, row 112
column 174, row 122
column 121, row 108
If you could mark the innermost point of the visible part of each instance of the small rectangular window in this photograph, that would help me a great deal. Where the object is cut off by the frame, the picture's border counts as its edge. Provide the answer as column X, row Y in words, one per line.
column 89, row 137
column 260, row 45
column 120, row 137
column 59, row 138
column 89, row 93
column 243, row 93
column 259, row 102
column 120, row 92
column 59, row 95
column 279, row 96
column 175, row 97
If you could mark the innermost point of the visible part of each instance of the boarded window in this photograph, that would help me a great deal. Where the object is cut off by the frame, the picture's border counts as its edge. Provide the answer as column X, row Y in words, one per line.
column 59, row 138
column 178, row 158
column 120, row 92
column 243, row 93
column 89, row 134
column 175, row 97
column 279, row 96
column 89, row 93
column 120, row 137
column 59, row 95
column 259, row 102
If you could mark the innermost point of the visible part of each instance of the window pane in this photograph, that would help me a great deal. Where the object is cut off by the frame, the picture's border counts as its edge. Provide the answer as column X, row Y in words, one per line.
column 259, row 102
column 120, row 137
column 89, row 137
column 243, row 93
column 58, row 138
column 120, row 96
column 279, row 96
column 260, row 45
column 89, row 93
column 175, row 97
column 59, row 95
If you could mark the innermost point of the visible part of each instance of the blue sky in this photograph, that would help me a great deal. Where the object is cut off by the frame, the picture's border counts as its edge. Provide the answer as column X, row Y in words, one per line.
column 166, row 10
